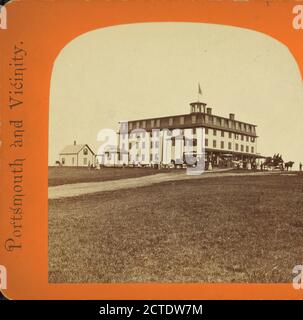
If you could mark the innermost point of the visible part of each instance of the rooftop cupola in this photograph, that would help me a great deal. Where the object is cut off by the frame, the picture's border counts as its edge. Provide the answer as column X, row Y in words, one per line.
column 196, row 107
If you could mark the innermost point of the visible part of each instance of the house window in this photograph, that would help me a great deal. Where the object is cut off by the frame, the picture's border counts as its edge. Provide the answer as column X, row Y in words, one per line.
column 194, row 142
column 173, row 142
column 230, row 135
column 242, row 147
column 181, row 120
column 194, row 130
column 214, row 132
column 129, row 146
column 171, row 121
column 85, row 151
column 252, row 149
column 222, row 144
column 237, row 147
column 242, row 137
column 229, row 145
column 236, row 136
column 151, row 144
column 252, row 139
column 206, row 130
column 151, row 157
column 85, row 161
column 222, row 133
column 193, row 119
column 247, row 138
column 63, row 160
column 206, row 142
column 214, row 143
column 247, row 149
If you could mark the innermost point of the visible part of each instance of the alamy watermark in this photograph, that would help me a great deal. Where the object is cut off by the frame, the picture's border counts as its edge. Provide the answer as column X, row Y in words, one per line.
column 132, row 146
column 297, row 281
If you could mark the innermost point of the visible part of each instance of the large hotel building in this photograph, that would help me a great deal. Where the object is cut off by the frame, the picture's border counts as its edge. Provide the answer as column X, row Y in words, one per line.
column 167, row 140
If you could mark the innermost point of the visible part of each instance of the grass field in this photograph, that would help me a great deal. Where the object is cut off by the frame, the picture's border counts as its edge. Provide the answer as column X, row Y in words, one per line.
column 63, row 175
column 226, row 229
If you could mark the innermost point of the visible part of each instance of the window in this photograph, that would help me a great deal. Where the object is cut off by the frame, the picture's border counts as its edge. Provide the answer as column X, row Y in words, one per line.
column 236, row 136
column 242, row 148
column 237, row 147
column 171, row 121
column 214, row 132
column 252, row 139
column 194, row 130
column 222, row 144
column 73, row 160
column 206, row 130
column 152, row 123
column 229, row 145
column 194, row 142
column 230, row 135
column 85, row 151
column 247, row 138
column 151, row 157
column 130, row 145
column 252, row 149
column 193, row 119
column 247, row 149
column 63, row 160
column 222, row 133
column 206, row 142
column 214, row 143
column 151, row 144
column 85, row 161
column 242, row 137
column 181, row 120
column 130, row 126
column 173, row 142
column 158, row 122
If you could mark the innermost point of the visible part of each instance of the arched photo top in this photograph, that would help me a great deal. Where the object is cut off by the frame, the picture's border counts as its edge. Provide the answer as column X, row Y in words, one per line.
column 147, row 70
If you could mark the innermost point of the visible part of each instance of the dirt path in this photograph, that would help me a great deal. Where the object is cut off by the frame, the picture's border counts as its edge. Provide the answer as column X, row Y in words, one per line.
column 77, row 189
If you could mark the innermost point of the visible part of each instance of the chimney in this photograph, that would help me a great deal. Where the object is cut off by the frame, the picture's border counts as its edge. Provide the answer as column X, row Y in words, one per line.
column 232, row 116
column 208, row 110
column 75, row 142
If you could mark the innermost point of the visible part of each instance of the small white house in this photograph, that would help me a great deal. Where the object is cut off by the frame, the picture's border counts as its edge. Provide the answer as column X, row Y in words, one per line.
column 77, row 155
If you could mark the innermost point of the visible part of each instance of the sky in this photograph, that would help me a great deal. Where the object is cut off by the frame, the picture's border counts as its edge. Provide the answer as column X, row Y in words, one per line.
column 153, row 69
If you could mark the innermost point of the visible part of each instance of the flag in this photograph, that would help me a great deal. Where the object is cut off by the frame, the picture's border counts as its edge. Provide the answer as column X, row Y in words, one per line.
column 199, row 89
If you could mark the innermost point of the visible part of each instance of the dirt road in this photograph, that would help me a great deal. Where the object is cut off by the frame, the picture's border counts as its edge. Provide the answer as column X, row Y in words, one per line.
column 77, row 189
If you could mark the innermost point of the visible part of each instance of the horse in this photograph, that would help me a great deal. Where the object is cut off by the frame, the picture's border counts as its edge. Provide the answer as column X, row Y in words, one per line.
column 288, row 165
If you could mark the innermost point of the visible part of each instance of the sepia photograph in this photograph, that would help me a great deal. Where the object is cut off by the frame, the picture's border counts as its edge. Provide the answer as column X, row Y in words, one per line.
column 175, row 156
